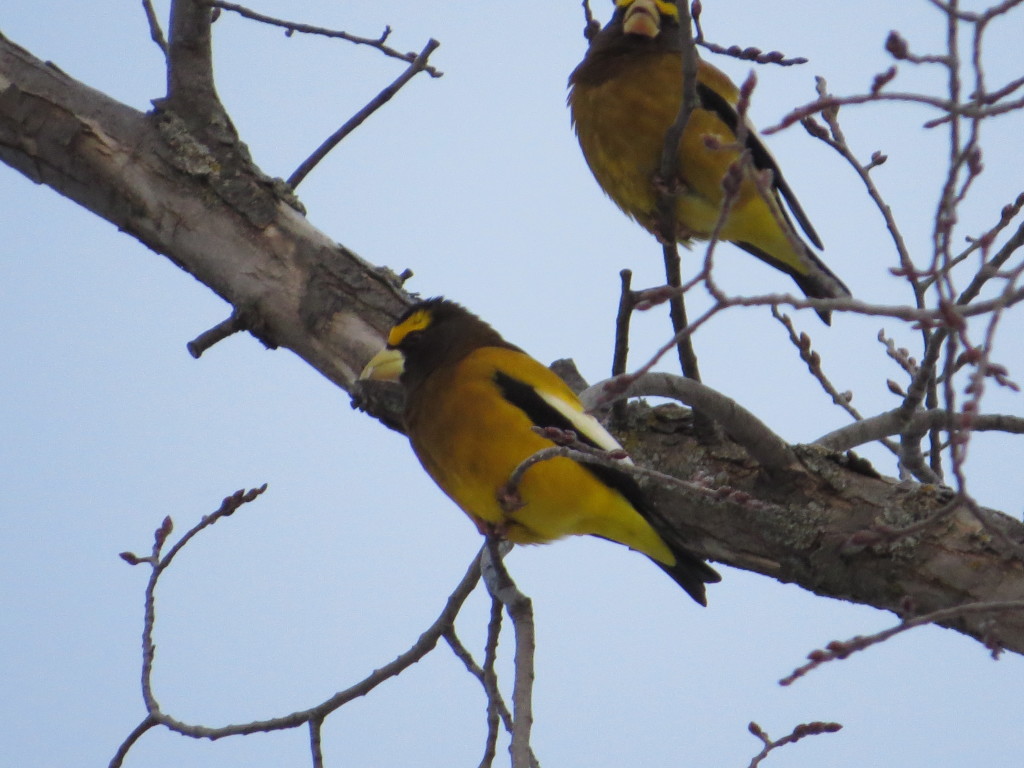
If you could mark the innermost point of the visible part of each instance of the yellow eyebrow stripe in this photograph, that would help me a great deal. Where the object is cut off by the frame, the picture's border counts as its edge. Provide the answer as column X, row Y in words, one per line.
column 417, row 321
column 665, row 8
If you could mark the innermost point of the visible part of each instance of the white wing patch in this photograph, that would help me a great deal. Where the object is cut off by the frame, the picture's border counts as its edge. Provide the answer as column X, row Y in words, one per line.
column 584, row 424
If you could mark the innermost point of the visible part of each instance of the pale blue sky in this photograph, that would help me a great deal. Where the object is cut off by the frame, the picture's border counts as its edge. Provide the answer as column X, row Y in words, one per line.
column 476, row 183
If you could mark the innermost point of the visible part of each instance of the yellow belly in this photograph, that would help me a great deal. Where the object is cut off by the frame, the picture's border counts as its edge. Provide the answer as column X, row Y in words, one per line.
column 621, row 124
column 472, row 439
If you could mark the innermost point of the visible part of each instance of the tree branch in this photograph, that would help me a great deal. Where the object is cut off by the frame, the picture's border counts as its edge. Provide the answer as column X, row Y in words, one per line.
column 190, row 86
column 221, row 220
column 419, row 64
column 308, row 29
column 741, row 425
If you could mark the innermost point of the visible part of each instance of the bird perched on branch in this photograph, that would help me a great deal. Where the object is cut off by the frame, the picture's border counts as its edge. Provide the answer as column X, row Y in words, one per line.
column 623, row 98
column 471, row 403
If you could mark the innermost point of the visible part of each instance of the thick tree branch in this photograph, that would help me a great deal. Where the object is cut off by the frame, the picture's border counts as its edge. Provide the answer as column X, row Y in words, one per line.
column 229, row 226
column 190, row 84
column 828, row 526
column 212, row 212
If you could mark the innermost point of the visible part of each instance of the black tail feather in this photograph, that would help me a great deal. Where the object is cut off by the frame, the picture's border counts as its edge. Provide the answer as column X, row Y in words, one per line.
column 818, row 283
column 691, row 573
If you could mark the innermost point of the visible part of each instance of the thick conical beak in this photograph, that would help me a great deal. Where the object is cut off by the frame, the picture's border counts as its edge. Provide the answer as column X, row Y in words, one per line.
column 386, row 365
column 642, row 18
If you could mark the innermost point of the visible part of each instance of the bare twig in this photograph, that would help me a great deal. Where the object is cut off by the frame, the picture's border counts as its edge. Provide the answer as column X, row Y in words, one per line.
column 840, row 649
column 802, row 342
column 948, row 108
column 938, row 316
column 160, row 564
column 620, row 355
column 313, row 716
column 836, row 139
column 801, row 731
column 419, row 64
column 668, row 188
column 520, row 610
column 627, row 303
column 893, row 423
column 974, row 17
column 291, row 27
column 122, row 751
column 235, row 324
column 985, row 241
column 592, row 25
column 495, row 702
column 315, row 748
column 1011, row 246
column 155, row 32
column 748, row 54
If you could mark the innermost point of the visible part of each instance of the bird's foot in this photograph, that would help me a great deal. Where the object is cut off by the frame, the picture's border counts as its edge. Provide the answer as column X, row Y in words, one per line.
column 509, row 500
column 497, row 530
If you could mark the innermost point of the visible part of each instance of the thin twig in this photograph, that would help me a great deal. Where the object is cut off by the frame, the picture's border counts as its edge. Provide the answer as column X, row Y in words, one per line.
column 520, row 610
column 291, row 27
column 836, row 139
column 122, row 751
column 490, row 681
column 592, row 26
column 892, row 422
column 158, row 565
column 496, row 707
column 156, row 34
column 312, row 716
column 668, row 190
column 812, row 359
column 948, row 108
column 938, row 316
column 840, row 649
column 234, row 324
column 801, row 731
column 620, row 355
column 315, row 748
column 570, row 448
column 749, row 53
column 419, row 64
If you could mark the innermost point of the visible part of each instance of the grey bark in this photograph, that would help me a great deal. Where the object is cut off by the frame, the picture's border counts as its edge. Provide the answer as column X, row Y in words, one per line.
column 179, row 180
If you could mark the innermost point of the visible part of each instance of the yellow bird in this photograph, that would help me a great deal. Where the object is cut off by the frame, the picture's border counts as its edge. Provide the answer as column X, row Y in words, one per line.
column 623, row 98
column 471, row 402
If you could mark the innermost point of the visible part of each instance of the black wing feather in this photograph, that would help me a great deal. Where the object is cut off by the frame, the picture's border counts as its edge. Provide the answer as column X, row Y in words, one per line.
column 690, row 571
column 763, row 160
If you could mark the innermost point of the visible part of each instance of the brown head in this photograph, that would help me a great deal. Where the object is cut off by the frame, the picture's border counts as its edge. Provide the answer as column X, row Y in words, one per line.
column 432, row 334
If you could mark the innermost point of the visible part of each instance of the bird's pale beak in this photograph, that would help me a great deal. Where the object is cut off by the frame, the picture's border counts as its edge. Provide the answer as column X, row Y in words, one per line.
column 386, row 365
column 643, row 18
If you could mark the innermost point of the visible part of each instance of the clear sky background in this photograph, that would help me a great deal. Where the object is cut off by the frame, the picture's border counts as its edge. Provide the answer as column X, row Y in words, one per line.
column 476, row 183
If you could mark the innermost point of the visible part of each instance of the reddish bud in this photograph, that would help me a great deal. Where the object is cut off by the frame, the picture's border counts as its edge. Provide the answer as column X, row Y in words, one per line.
column 813, row 127
column 897, row 46
column 881, row 80
column 161, row 533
